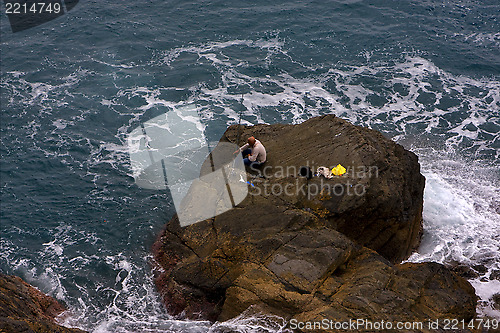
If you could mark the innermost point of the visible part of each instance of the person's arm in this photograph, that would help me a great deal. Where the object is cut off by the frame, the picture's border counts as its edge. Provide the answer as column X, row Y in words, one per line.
column 245, row 146
column 255, row 153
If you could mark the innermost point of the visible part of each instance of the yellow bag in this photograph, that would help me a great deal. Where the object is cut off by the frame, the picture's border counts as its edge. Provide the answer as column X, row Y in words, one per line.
column 339, row 170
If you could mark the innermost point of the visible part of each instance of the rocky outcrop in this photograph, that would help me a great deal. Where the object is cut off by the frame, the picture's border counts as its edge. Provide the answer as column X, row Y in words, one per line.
column 24, row 308
column 317, row 249
column 378, row 203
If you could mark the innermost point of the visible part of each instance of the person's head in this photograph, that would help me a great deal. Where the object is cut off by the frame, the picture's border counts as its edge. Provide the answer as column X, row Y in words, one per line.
column 251, row 141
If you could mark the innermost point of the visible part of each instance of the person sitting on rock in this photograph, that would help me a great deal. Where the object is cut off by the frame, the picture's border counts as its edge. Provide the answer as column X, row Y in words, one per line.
column 254, row 152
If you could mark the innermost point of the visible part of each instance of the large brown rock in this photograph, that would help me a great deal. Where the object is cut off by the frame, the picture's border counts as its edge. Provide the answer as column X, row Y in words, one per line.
column 24, row 308
column 310, row 253
column 378, row 202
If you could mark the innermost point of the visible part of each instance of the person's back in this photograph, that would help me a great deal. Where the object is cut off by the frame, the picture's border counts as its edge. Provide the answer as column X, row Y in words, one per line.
column 254, row 152
column 258, row 152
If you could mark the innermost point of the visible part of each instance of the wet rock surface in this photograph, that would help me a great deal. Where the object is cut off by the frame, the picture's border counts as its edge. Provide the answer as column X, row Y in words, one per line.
column 24, row 308
column 312, row 253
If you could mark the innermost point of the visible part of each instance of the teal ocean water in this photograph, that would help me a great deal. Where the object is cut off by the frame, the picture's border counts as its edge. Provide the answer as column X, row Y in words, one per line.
column 425, row 73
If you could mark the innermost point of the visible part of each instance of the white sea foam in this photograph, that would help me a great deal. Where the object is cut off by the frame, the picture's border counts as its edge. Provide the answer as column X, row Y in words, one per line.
column 251, row 321
column 462, row 220
column 400, row 90
column 483, row 39
column 129, row 304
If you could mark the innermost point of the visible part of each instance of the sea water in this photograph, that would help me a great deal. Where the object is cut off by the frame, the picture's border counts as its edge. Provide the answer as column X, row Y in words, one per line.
column 73, row 222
